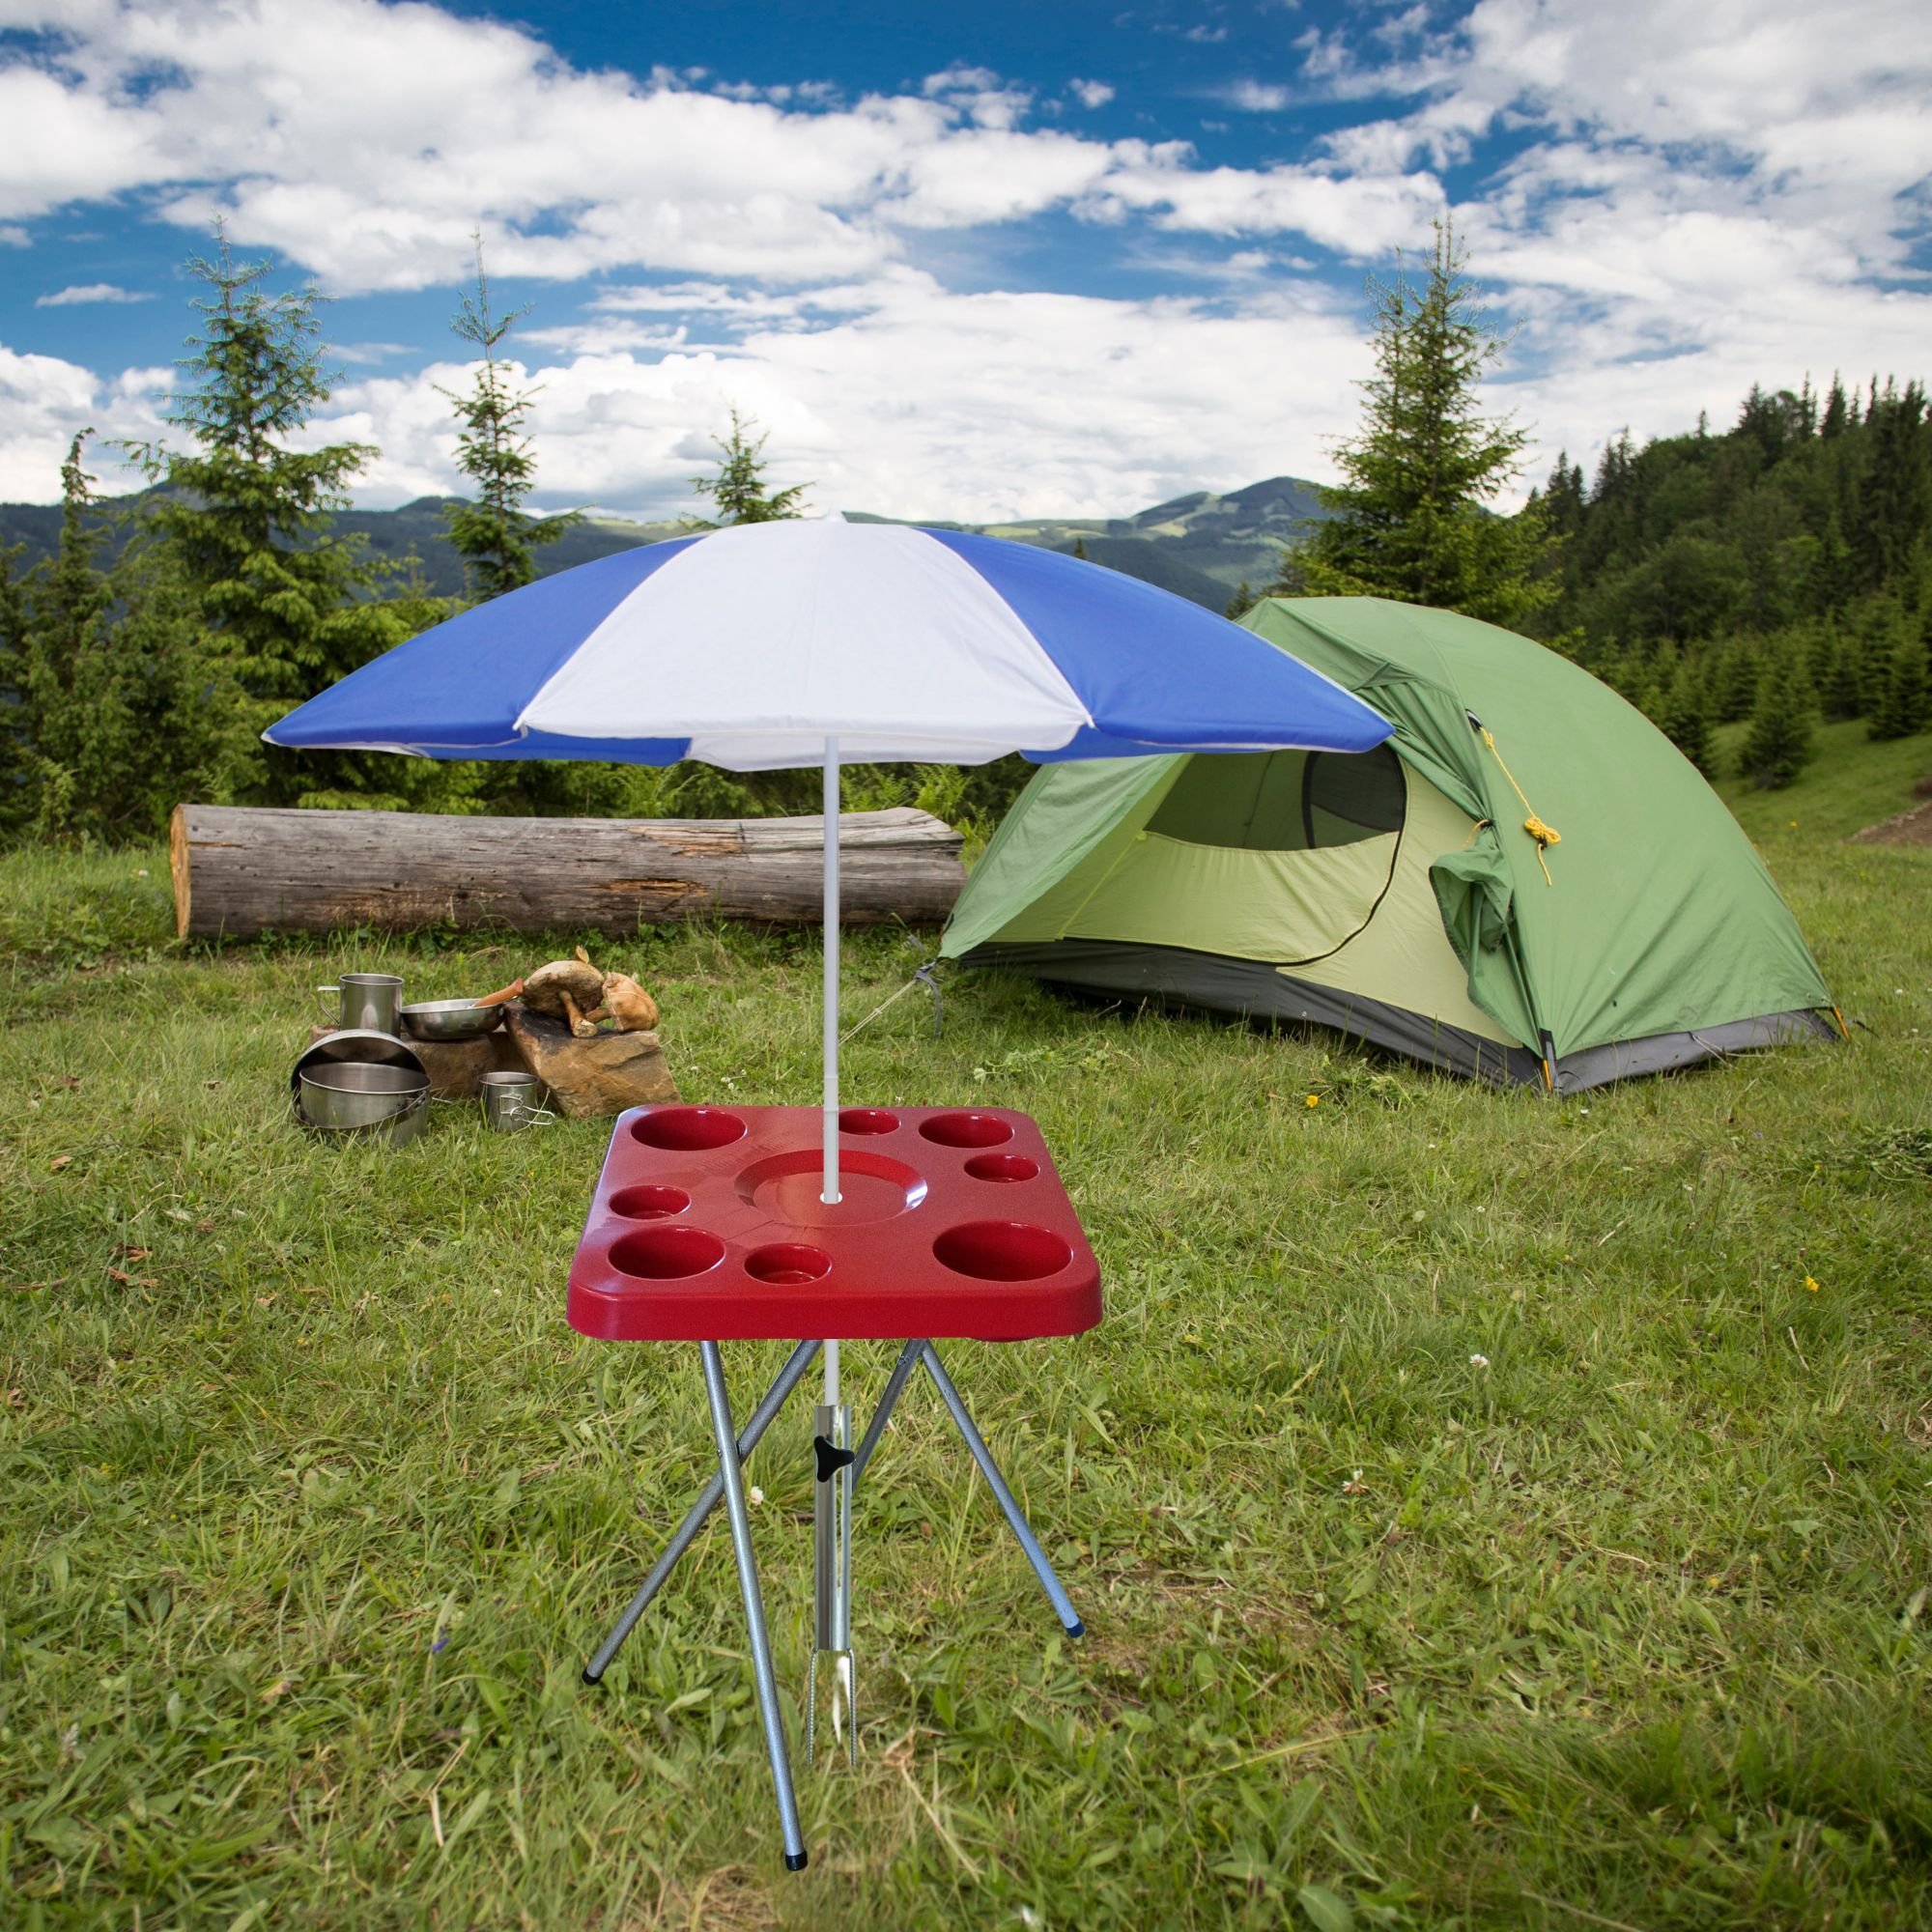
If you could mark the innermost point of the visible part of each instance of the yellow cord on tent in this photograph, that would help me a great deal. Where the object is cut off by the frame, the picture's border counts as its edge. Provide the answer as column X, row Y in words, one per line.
column 1544, row 835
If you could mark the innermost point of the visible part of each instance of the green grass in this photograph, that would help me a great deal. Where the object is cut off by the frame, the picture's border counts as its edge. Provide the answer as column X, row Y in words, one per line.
column 314, row 1506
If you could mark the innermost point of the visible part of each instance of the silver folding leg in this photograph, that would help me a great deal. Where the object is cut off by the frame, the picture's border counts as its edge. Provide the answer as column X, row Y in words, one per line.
column 895, row 1383
column 1063, row 1605
column 755, row 1604
column 799, row 1360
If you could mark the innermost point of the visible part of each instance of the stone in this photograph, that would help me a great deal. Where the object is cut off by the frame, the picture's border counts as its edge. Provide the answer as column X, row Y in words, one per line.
column 586, row 1078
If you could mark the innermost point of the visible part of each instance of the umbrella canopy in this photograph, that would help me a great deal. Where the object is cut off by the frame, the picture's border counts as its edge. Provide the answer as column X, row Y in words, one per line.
column 749, row 647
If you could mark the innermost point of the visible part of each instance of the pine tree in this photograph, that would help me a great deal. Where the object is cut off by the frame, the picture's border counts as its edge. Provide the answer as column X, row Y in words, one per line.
column 1904, row 704
column 1080, row 549
column 495, row 537
column 246, row 517
column 1411, row 522
column 1240, row 602
column 1895, row 496
column 1781, row 739
column 17, row 767
column 123, row 712
column 738, row 489
column 1682, row 715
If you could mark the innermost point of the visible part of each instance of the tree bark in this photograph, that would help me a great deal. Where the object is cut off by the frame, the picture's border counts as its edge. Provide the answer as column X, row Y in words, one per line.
column 242, row 870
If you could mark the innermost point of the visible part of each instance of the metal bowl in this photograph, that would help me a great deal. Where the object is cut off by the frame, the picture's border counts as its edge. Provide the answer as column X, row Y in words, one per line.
column 364, row 1097
column 451, row 1019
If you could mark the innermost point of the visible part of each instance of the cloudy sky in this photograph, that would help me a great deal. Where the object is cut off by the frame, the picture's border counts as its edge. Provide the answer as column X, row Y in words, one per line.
column 974, row 261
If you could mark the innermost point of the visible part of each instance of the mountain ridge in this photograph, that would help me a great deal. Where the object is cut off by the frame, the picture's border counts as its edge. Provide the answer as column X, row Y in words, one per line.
column 1201, row 545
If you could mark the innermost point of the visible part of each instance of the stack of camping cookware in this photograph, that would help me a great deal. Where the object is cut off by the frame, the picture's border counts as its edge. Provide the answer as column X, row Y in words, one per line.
column 364, row 1080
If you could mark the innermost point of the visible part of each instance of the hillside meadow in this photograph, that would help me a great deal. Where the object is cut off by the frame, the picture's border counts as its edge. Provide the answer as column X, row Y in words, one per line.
column 1486, row 1511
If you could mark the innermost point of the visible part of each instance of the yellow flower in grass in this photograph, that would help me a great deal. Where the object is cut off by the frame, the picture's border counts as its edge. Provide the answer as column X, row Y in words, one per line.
column 1312, row 1101
column 1810, row 1284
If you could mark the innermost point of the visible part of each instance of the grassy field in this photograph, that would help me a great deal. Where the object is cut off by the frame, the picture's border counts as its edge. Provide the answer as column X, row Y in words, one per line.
column 1486, row 1511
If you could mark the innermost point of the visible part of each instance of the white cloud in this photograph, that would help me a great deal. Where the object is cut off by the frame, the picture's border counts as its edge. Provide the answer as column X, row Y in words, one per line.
column 1257, row 97
column 367, row 141
column 917, row 405
column 1091, row 93
column 91, row 291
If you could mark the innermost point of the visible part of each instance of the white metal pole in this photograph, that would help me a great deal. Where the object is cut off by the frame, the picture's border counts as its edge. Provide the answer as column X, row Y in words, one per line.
column 829, row 1190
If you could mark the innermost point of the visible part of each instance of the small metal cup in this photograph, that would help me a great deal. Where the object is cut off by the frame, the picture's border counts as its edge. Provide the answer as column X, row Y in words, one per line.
column 510, row 1100
column 369, row 1000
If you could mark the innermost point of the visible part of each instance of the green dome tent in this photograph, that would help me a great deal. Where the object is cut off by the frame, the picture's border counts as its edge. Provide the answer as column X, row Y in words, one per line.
column 1528, row 882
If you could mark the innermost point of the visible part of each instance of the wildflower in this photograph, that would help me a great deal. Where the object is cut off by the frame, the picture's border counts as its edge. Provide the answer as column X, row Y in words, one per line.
column 1479, row 1361
column 754, row 1496
column 1810, row 1285
column 1354, row 1486
column 1312, row 1101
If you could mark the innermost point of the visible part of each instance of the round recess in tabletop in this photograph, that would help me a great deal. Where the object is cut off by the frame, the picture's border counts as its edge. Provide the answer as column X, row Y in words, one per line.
column 867, row 1120
column 688, row 1130
column 667, row 1253
column 1002, row 1251
column 787, row 1189
column 1003, row 1166
column 787, row 1264
column 648, row 1203
column 966, row 1130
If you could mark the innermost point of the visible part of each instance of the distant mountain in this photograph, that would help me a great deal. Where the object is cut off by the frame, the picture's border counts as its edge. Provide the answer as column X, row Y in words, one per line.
column 1200, row 547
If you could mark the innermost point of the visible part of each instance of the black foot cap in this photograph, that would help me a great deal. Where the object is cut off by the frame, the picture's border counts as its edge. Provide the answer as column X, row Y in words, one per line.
column 589, row 1678
column 1076, row 1628
column 795, row 1860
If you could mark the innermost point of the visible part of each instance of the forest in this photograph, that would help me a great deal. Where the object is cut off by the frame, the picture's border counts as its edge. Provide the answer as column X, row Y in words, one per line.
column 1782, row 568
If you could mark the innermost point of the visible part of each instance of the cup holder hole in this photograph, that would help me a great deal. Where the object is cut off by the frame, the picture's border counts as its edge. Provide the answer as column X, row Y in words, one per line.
column 667, row 1253
column 1002, row 1251
column 688, row 1130
column 966, row 1130
column 787, row 1264
column 649, row 1204
column 867, row 1120
column 1003, row 1166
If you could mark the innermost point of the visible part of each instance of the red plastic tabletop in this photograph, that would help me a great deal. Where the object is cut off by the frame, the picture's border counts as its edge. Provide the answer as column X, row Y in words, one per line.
column 707, row 1226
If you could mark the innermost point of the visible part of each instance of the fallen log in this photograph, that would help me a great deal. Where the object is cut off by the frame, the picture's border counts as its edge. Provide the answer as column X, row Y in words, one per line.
column 240, row 870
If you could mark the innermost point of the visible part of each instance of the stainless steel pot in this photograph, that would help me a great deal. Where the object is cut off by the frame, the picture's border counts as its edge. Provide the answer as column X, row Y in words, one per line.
column 371, row 1000
column 451, row 1019
column 365, row 1098
column 373, row 1062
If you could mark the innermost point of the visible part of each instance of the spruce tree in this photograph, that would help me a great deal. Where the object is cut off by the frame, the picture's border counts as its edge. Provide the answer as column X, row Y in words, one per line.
column 738, row 490
column 17, row 767
column 1412, row 520
column 1240, row 602
column 493, row 534
column 1782, row 738
column 123, row 712
column 247, row 516
column 1904, row 705
column 1682, row 715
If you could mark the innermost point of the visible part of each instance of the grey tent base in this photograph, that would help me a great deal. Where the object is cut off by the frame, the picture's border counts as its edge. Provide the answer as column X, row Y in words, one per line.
column 1255, row 990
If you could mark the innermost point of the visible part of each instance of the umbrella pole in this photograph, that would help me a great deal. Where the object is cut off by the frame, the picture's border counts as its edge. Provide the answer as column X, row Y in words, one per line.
column 829, row 1191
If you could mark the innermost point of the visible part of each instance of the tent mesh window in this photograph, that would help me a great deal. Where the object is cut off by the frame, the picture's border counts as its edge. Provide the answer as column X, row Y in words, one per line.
column 1285, row 801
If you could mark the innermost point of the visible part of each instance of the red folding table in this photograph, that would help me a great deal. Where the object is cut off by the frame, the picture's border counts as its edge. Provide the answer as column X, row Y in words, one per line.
column 707, row 1226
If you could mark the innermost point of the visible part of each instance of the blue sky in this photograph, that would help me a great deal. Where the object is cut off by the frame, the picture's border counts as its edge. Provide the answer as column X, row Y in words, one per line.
column 978, row 262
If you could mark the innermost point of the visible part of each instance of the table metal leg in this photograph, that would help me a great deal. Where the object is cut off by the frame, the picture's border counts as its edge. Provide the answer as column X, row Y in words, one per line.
column 895, row 1383
column 1062, row 1603
column 787, row 1380
column 755, row 1604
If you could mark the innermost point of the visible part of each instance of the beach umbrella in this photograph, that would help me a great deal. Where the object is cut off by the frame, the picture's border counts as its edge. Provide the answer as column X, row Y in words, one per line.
column 820, row 642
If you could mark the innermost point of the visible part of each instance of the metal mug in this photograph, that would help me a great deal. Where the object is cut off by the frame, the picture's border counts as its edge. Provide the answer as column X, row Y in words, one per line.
column 510, row 1100
column 369, row 1000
